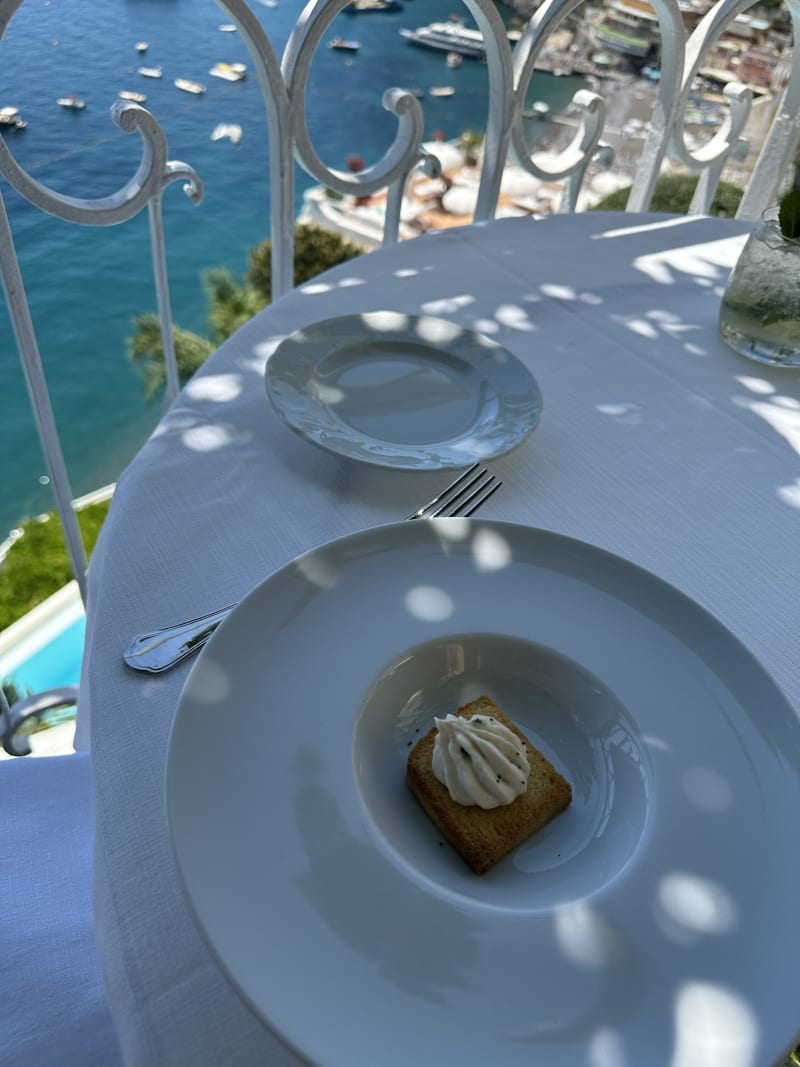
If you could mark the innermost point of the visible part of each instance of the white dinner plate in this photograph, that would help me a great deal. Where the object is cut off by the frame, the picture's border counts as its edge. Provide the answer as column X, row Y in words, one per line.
column 406, row 391
column 655, row 920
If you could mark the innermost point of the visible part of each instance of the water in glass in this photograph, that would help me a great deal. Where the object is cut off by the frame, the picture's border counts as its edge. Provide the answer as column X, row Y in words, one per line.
column 760, row 310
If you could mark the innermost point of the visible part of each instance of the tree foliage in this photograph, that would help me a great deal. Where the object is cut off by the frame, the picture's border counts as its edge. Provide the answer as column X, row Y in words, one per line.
column 231, row 303
column 12, row 692
column 37, row 564
column 672, row 195
column 315, row 250
column 470, row 143
column 146, row 347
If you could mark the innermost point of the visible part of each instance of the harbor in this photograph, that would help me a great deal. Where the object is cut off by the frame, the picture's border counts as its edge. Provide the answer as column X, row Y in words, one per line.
column 49, row 139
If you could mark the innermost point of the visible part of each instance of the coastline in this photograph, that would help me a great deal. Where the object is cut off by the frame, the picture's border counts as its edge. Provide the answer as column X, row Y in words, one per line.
column 95, row 389
column 431, row 204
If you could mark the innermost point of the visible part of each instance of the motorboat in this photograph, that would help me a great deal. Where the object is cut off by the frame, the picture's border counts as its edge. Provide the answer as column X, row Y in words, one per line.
column 151, row 72
column 227, row 27
column 355, row 6
column 450, row 36
column 189, row 86
column 343, row 45
column 10, row 119
column 128, row 94
column 229, row 72
column 441, row 90
column 141, row 46
column 72, row 101
column 454, row 60
column 231, row 130
column 538, row 110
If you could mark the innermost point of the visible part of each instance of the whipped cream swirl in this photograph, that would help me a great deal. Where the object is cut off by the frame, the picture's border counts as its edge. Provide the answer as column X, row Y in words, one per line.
column 480, row 761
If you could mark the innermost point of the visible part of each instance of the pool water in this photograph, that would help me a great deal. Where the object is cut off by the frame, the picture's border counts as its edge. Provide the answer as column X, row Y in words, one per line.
column 44, row 649
column 55, row 664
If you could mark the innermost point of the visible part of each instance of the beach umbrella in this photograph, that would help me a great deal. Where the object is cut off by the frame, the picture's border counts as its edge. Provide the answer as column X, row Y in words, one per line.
column 517, row 182
column 449, row 155
column 606, row 182
column 460, row 199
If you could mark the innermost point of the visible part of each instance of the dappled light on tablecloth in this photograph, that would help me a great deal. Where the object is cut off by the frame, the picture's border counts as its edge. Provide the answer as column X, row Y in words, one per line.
column 429, row 604
column 690, row 906
column 714, row 1027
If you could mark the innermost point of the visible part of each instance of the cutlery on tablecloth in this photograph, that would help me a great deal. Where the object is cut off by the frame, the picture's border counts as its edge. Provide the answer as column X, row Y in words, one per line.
column 162, row 649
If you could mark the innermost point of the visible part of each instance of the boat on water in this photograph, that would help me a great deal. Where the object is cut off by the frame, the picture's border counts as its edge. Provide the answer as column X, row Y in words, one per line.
column 72, row 101
column 10, row 119
column 229, row 72
column 232, row 72
column 231, row 130
column 538, row 110
column 141, row 46
column 343, row 45
column 449, row 36
column 373, row 5
column 454, row 60
column 151, row 72
column 441, row 90
column 128, row 94
column 189, row 86
column 227, row 27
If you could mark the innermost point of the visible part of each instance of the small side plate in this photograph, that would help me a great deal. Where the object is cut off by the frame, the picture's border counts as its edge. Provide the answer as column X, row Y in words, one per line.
column 406, row 391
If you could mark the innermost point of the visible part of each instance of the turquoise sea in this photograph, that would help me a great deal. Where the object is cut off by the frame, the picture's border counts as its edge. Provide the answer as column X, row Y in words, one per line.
column 85, row 285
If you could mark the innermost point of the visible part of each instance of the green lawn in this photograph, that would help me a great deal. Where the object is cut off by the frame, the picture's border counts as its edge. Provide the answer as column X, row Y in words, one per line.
column 37, row 564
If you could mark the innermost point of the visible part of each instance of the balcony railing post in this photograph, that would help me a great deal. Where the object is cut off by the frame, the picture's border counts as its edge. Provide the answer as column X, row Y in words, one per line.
column 158, row 250
column 40, row 399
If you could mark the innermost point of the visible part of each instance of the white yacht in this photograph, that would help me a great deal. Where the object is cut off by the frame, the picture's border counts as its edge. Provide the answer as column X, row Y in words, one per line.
column 151, row 72
column 342, row 44
column 11, row 118
column 231, row 130
column 449, row 36
column 72, row 101
column 128, row 94
column 229, row 72
column 189, row 86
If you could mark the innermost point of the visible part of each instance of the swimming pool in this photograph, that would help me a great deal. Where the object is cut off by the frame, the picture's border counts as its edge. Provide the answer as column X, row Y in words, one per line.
column 44, row 649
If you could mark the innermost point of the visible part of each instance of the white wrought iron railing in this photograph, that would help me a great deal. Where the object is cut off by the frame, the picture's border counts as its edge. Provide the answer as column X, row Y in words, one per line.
column 144, row 190
column 509, row 70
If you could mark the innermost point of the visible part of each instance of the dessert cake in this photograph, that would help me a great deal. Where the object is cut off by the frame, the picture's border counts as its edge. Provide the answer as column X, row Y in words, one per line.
column 506, row 788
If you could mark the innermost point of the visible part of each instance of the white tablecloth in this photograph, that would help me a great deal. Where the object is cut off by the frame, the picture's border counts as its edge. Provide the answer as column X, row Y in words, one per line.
column 656, row 442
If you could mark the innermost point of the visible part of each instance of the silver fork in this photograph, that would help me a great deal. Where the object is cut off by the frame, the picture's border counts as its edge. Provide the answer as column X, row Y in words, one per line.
column 161, row 649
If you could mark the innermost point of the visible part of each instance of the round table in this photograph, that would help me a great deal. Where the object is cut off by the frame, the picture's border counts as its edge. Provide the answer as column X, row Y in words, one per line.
column 656, row 442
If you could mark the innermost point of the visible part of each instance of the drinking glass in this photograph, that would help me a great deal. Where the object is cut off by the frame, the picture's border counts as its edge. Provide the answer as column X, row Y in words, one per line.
column 760, row 311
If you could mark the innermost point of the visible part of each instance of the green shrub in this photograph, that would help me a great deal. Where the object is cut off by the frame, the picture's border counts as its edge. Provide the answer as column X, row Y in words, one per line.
column 12, row 692
column 315, row 250
column 146, row 348
column 230, row 304
column 37, row 565
column 673, row 194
